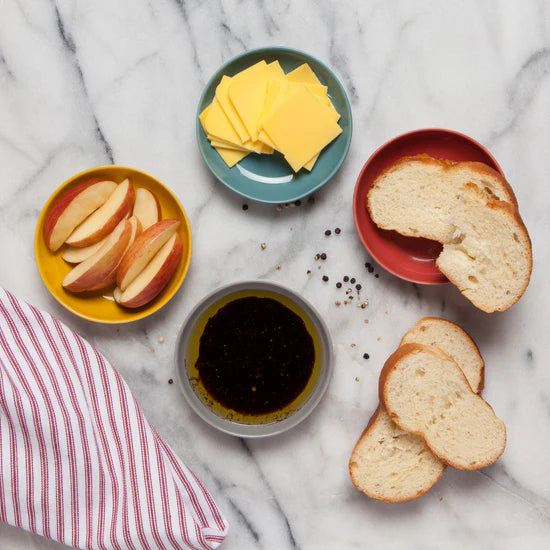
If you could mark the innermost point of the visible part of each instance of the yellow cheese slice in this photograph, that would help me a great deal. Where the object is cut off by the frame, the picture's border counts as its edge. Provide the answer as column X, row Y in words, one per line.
column 301, row 127
column 203, row 115
column 247, row 93
column 216, row 124
column 303, row 73
column 274, row 71
column 231, row 157
column 310, row 163
column 226, row 145
column 222, row 96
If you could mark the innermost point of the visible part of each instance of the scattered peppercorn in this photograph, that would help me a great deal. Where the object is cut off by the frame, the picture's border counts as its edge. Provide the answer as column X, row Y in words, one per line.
column 325, row 278
column 311, row 200
column 298, row 202
column 327, row 232
column 338, row 231
column 338, row 284
column 358, row 287
column 317, row 256
column 366, row 355
column 170, row 381
column 346, row 279
column 376, row 275
column 245, row 206
column 323, row 256
column 352, row 280
column 308, row 272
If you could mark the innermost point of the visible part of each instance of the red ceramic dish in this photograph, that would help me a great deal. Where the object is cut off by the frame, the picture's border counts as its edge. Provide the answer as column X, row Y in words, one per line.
column 410, row 258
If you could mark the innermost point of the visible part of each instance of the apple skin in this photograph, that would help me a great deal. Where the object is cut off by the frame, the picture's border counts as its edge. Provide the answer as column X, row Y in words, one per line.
column 98, row 267
column 152, row 280
column 73, row 207
column 110, row 280
column 96, row 233
column 143, row 250
column 146, row 208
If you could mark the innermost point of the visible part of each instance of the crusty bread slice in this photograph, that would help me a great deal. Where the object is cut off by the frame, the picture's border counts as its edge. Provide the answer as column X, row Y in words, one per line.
column 489, row 257
column 452, row 340
column 426, row 393
column 391, row 464
column 415, row 195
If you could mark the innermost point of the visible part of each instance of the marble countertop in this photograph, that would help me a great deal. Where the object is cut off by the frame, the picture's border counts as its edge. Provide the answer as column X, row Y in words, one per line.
column 90, row 83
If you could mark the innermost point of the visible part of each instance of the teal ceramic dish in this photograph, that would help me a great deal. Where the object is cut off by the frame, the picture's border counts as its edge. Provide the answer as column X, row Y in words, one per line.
column 269, row 178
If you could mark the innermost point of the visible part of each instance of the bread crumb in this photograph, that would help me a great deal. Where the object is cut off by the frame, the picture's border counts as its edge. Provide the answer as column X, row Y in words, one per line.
column 263, row 246
column 337, row 302
column 279, row 208
column 440, row 499
column 366, row 321
column 386, row 312
column 161, row 339
column 379, row 338
column 352, row 345
column 278, row 266
column 357, row 379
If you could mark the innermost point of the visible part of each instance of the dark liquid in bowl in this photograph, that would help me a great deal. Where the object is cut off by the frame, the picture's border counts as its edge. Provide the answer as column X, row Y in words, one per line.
column 255, row 355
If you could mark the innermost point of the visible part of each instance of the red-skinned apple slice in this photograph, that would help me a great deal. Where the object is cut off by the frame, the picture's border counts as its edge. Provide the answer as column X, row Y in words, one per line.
column 73, row 255
column 99, row 266
column 110, row 280
column 150, row 282
column 73, row 207
column 105, row 218
column 146, row 208
column 143, row 250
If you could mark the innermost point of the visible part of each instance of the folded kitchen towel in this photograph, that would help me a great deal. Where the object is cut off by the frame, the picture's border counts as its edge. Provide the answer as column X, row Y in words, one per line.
column 79, row 463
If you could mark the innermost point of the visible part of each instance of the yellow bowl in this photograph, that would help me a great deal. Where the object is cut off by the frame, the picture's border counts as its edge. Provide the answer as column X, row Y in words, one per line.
column 102, row 308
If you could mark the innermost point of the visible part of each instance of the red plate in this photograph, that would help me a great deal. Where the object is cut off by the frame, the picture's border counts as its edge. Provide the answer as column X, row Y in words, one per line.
column 410, row 258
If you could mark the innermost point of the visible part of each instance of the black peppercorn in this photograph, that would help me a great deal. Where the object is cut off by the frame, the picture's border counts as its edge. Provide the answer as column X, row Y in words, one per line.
column 325, row 278
column 323, row 256
column 366, row 355
column 245, row 206
column 358, row 287
column 337, row 231
column 352, row 280
column 327, row 232
column 338, row 285
column 346, row 279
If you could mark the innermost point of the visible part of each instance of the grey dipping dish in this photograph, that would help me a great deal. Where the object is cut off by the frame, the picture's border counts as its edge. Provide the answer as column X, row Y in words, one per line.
column 253, row 430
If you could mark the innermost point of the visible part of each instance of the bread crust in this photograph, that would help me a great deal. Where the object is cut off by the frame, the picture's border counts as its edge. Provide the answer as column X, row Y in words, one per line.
column 514, row 213
column 391, row 364
column 481, row 384
column 365, row 434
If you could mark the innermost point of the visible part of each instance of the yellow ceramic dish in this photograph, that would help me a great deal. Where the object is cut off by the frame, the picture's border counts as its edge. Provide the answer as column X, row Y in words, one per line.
column 102, row 308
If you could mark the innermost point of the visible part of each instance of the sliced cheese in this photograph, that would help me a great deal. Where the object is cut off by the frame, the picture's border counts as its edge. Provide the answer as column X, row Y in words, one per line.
column 222, row 96
column 231, row 157
column 247, row 93
column 303, row 73
column 217, row 124
column 301, row 127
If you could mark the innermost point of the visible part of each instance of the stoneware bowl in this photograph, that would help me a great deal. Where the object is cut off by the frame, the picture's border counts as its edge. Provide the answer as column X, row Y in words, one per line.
column 101, row 307
column 269, row 178
column 186, row 354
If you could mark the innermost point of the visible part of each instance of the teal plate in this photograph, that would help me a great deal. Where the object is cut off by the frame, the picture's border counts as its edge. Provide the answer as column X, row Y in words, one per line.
column 269, row 178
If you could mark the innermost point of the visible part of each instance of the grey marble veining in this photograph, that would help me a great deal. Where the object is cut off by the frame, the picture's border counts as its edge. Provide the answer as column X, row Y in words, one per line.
column 89, row 83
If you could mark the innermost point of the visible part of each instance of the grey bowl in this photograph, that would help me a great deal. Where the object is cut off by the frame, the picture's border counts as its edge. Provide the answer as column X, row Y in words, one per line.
column 253, row 430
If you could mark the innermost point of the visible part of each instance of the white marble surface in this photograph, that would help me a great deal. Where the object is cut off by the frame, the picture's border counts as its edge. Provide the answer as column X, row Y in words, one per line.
column 88, row 83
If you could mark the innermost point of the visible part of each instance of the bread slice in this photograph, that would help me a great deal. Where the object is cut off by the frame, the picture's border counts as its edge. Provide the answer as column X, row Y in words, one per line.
column 453, row 341
column 391, row 464
column 489, row 257
column 416, row 195
column 426, row 393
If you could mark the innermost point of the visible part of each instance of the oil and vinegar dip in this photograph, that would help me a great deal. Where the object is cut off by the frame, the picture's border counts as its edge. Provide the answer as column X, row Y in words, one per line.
column 254, row 357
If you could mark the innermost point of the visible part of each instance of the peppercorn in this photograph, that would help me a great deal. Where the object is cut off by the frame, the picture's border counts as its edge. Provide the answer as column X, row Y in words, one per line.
column 376, row 275
column 358, row 287
column 245, row 206
column 346, row 278
column 338, row 284
column 352, row 280
column 327, row 232
column 325, row 278
column 366, row 355
column 337, row 231
column 298, row 202
column 323, row 256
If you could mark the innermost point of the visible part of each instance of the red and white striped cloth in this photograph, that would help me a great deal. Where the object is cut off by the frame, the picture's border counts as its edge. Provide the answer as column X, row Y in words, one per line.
column 79, row 463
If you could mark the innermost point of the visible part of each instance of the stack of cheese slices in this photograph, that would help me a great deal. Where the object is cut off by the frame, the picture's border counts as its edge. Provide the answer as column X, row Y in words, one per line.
column 430, row 416
column 469, row 208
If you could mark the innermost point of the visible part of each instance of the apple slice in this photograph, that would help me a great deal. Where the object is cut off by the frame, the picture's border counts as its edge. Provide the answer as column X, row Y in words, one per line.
column 146, row 208
column 110, row 280
column 150, row 282
column 73, row 255
column 100, row 265
column 143, row 250
column 105, row 218
column 73, row 207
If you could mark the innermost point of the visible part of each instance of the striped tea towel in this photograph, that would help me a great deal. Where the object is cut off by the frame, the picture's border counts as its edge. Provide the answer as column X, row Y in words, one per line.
column 79, row 463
